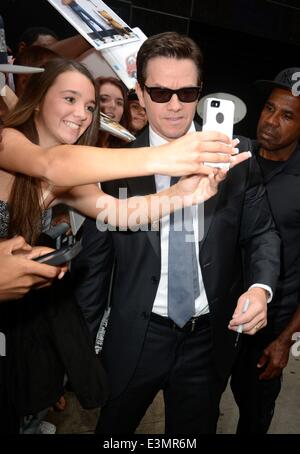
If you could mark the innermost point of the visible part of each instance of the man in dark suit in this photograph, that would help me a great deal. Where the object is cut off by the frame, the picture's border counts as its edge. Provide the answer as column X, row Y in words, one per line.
column 151, row 342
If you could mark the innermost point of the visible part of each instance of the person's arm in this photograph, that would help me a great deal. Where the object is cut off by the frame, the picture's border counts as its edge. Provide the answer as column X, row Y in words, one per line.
column 73, row 165
column 70, row 47
column 261, row 243
column 19, row 273
column 141, row 210
column 276, row 354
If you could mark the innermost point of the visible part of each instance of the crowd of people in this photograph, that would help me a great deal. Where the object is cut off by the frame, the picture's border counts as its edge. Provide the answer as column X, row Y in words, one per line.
column 175, row 306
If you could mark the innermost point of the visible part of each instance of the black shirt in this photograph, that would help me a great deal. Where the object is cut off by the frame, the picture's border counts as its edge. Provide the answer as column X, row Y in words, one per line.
column 267, row 165
column 282, row 181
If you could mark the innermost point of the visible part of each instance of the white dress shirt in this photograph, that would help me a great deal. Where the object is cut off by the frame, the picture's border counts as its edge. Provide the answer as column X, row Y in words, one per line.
column 161, row 300
column 160, row 306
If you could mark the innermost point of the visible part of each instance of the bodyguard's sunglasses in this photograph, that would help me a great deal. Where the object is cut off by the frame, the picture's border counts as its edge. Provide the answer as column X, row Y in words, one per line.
column 185, row 94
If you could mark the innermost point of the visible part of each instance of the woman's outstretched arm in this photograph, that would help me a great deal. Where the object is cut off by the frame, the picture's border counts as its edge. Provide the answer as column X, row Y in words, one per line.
column 72, row 165
column 141, row 210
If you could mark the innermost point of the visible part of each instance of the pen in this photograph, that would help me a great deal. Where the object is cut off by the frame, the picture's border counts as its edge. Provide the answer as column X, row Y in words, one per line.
column 240, row 327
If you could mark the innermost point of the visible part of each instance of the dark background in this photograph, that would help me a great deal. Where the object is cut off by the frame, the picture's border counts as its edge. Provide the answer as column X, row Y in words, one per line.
column 242, row 40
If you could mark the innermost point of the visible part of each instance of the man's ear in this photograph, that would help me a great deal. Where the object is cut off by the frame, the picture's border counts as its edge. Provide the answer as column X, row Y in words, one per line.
column 140, row 94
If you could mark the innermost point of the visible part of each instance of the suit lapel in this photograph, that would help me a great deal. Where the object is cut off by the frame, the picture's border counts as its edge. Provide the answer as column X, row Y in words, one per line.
column 209, row 211
column 146, row 185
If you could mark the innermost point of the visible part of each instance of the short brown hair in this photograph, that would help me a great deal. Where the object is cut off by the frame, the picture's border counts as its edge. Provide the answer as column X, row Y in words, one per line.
column 170, row 45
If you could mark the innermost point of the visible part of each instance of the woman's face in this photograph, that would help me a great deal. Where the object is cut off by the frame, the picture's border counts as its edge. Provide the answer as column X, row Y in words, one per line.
column 111, row 101
column 138, row 116
column 66, row 111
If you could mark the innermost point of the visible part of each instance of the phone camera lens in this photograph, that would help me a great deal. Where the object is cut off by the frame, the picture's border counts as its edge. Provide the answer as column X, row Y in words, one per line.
column 215, row 103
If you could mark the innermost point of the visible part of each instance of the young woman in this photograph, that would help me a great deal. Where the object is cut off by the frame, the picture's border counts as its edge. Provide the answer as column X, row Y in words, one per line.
column 113, row 103
column 59, row 109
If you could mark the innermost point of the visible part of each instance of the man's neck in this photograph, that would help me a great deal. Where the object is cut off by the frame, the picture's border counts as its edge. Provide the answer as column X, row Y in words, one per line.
column 157, row 139
column 279, row 155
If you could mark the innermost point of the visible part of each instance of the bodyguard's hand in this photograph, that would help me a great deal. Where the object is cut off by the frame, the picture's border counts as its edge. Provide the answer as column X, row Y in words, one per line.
column 255, row 318
column 275, row 357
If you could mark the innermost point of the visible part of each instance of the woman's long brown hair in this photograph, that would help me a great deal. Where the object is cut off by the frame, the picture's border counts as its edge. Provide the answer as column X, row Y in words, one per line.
column 25, row 210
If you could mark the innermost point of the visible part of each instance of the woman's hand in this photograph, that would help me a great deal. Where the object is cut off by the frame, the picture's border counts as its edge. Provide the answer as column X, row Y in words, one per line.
column 19, row 274
column 187, row 155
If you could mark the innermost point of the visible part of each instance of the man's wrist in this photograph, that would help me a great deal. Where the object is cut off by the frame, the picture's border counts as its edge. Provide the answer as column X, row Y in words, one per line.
column 267, row 291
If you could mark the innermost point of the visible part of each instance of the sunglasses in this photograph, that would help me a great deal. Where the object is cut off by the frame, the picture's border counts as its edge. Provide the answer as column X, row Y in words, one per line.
column 185, row 94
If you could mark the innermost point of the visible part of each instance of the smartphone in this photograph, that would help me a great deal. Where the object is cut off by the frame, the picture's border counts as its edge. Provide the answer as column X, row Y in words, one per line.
column 61, row 256
column 218, row 115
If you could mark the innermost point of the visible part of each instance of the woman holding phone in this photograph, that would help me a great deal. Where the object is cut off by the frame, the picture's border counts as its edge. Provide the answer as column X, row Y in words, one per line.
column 41, row 166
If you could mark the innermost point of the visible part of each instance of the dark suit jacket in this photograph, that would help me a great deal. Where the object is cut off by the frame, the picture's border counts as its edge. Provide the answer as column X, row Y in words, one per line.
column 237, row 218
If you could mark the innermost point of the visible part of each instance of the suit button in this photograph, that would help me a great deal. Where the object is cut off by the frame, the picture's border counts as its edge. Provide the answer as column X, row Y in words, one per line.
column 154, row 280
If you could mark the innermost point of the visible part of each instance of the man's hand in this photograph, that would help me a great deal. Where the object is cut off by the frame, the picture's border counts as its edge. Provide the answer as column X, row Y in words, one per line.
column 255, row 317
column 202, row 187
column 199, row 188
column 275, row 357
column 18, row 273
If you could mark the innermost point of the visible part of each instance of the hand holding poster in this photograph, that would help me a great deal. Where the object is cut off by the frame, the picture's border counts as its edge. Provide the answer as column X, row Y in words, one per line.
column 122, row 59
column 95, row 21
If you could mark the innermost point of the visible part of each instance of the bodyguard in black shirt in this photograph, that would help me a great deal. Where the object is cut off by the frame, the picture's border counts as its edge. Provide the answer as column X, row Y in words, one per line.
column 257, row 375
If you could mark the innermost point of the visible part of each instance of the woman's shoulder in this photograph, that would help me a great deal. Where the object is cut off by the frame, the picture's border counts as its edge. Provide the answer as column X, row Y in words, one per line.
column 12, row 137
column 14, row 147
column 11, row 132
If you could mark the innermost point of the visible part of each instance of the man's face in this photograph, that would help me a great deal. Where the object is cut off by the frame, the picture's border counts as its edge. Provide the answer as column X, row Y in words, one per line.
column 172, row 119
column 279, row 123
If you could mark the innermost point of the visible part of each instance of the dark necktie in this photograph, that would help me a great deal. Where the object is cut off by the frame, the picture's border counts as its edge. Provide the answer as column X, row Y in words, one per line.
column 183, row 279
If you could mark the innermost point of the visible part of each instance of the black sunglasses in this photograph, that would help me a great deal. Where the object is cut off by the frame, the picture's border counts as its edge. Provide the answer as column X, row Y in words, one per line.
column 185, row 94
